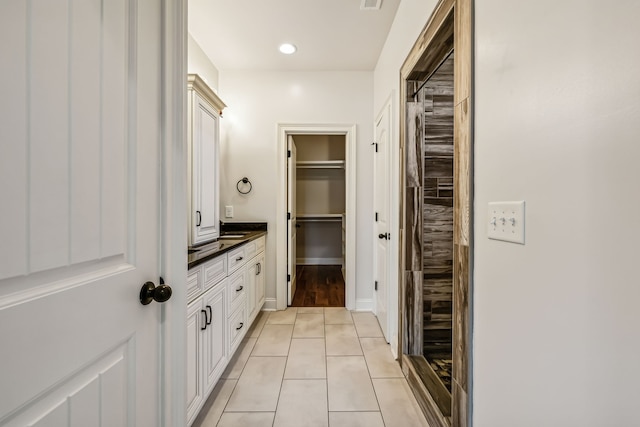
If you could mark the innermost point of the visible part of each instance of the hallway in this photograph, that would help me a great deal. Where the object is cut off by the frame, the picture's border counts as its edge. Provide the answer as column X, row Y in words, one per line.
column 312, row 366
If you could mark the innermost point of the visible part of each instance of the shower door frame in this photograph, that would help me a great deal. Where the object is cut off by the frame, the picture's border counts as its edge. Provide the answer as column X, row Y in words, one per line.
column 449, row 25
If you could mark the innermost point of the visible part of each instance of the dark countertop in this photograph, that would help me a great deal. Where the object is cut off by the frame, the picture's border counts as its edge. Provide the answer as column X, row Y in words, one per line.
column 233, row 235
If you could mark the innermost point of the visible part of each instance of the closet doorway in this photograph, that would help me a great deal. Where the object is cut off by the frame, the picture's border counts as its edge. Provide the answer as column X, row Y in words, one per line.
column 315, row 238
column 316, row 200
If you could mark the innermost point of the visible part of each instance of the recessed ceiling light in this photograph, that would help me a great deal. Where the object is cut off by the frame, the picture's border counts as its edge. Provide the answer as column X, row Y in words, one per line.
column 287, row 48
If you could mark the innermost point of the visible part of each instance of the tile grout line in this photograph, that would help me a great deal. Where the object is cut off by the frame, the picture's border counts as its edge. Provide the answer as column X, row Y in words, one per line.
column 286, row 362
column 369, row 372
column 245, row 365
column 326, row 361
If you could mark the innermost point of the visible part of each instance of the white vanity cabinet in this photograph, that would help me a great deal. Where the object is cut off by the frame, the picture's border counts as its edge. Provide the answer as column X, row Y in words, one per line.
column 225, row 294
column 204, row 110
column 206, row 345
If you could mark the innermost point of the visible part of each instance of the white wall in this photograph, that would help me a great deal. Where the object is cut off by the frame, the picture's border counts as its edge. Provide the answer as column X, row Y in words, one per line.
column 410, row 19
column 257, row 102
column 557, row 323
column 556, row 336
column 199, row 63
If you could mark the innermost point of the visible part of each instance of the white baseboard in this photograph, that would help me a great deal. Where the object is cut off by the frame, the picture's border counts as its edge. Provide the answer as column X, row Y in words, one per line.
column 364, row 304
column 269, row 304
column 319, row 261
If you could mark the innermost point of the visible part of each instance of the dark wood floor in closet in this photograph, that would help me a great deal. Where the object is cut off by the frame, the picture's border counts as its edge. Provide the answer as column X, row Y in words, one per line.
column 319, row 286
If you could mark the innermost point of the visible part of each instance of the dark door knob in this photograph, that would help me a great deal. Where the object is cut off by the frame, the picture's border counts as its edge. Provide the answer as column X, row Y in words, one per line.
column 151, row 292
column 385, row 236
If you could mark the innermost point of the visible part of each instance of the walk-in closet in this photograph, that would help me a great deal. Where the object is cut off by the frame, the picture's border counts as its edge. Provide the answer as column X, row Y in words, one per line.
column 320, row 203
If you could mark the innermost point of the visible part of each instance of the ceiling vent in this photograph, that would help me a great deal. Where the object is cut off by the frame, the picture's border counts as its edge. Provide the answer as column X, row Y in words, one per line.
column 370, row 4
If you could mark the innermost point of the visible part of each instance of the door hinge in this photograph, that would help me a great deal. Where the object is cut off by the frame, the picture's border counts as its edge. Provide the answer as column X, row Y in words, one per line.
column 288, row 153
column 376, row 216
column 288, row 277
column 288, row 215
column 375, row 285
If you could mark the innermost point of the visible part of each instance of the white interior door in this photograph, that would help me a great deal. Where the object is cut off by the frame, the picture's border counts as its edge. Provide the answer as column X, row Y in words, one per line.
column 381, row 196
column 80, row 125
column 292, row 224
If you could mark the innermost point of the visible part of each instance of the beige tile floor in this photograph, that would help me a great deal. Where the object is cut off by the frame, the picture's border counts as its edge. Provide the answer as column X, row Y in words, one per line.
column 307, row 367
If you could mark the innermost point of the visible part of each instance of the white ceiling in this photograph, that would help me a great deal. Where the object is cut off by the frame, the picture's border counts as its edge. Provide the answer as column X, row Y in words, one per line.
column 329, row 34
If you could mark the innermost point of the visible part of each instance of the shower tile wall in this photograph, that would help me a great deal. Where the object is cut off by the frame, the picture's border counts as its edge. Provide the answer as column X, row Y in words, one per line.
column 437, row 96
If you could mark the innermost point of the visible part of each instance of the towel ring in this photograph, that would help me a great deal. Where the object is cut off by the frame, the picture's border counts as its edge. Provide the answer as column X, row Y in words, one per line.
column 244, row 180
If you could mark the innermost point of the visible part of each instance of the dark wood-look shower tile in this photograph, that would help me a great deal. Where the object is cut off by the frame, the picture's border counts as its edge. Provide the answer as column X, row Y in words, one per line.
column 439, row 201
column 462, row 173
column 438, row 150
column 461, row 316
column 438, row 168
column 413, row 161
column 445, row 188
column 431, row 187
column 438, row 290
column 411, row 301
column 428, row 103
column 437, row 390
column 443, row 106
column 459, row 405
column 439, row 216
column 438, row 132
column 413, row 229
column 441, row 311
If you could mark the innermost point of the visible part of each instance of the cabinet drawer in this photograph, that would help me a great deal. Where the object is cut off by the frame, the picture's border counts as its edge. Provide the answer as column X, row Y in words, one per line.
column 214, row 271
column 250, row 249
column 260, row 243
column 194, row 283
column 236, row 290
column 237, row 327
column 236, row 258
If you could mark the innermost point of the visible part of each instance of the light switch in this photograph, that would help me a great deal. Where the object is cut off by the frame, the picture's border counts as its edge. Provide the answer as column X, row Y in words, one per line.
column 228, row 211
column 506, row 221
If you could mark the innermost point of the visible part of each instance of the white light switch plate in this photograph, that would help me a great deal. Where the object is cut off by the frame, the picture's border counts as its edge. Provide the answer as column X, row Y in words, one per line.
column 228, row 211
column 506, row 221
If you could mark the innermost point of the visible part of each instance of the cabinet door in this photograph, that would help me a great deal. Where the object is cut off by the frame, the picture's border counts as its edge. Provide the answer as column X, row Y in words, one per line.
column 204, row 171
column 195, row 389
column 215, row 356
column 260, row 282
column 251, row 275
column 254, row 278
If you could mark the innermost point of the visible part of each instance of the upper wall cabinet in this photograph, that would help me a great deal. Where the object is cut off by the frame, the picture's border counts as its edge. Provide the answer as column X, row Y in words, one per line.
column 205, row 109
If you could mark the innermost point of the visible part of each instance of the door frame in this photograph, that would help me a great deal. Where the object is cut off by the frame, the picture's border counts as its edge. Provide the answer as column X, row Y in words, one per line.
column 173, row 215
column 450, row 19
column 349, row 132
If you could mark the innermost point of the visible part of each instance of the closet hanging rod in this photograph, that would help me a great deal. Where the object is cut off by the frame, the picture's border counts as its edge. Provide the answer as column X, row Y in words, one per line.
column 321, row 164
column 319, row 219
column 432, row 73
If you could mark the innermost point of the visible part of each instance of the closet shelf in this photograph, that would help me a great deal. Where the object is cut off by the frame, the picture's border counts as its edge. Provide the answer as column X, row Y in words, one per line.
column 320, row 164
column 319, row 217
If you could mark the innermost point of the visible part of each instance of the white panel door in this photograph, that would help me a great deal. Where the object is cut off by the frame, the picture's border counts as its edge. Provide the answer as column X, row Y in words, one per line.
column 80, row 132
column 381, row 197
column 292, row 228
